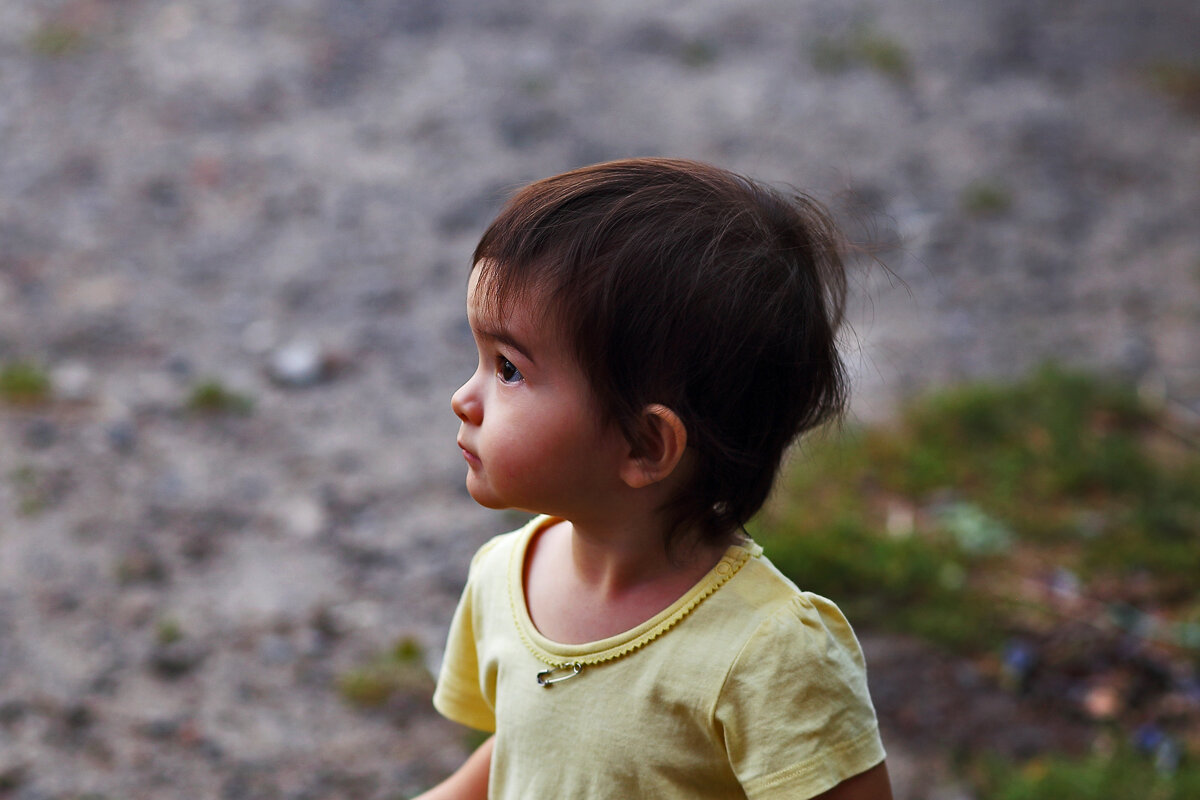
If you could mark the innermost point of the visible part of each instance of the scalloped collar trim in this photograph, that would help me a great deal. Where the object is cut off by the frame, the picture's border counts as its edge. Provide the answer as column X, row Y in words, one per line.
column 556, row 654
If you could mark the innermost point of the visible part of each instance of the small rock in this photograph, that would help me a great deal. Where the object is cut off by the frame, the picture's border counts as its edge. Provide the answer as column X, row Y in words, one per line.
column 122, row 436
column 304, row 517
column 276, row 650
column 12, row 712
column 72, row 380
column 40, row 434
column 297, row 364
column 78, row 717
column 160, row 729
column 179, row 367
column 176, row 659
column 141, row 563
column 136, row 607
column 12, row 775
column 357, row 615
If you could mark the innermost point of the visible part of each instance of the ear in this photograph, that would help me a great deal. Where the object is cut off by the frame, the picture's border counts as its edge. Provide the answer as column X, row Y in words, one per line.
column 660, row 447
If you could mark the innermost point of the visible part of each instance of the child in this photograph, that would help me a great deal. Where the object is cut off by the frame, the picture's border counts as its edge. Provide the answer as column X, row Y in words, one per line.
column 652, row 336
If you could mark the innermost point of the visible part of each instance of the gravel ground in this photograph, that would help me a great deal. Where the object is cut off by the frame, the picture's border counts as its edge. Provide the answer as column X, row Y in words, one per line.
column 268, row 206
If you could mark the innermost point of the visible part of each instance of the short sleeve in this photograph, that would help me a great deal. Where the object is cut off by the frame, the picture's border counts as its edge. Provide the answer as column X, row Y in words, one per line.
column 795, row 711
column 459, row 694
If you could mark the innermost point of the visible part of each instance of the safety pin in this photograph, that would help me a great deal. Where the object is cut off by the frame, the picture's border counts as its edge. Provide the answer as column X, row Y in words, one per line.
column 563, row 672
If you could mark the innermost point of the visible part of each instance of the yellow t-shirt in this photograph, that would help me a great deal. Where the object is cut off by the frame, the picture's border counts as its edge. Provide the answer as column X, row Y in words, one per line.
column 744, row 687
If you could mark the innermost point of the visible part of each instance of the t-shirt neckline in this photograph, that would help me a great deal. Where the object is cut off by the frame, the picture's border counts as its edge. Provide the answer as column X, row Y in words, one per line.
column 557, row 653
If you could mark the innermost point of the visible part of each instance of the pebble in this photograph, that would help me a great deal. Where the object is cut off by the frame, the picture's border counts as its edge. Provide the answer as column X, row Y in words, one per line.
column 13, row 773
column 122, row 436
column 303, row 517
column 40, row 434
column 176, row 659
column 72, row 380
column 136, row 607
column 358, row 615
column 13, row 711
column 297, row 364
column 160, row 729
column 276, row 650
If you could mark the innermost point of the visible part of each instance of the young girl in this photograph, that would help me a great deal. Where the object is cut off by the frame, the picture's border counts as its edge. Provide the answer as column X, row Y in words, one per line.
column 652, row 336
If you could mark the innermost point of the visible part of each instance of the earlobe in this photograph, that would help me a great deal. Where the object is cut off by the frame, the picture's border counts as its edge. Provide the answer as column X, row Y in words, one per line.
column 661, row 446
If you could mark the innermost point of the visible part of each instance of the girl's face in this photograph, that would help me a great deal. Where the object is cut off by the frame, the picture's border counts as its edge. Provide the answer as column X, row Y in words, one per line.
column 530, row 433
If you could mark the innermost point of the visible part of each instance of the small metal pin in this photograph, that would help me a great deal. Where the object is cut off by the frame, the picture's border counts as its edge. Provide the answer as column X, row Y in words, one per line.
column 563, row 672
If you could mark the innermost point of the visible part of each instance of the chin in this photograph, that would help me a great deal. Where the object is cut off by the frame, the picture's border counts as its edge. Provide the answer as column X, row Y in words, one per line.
column 485, row 499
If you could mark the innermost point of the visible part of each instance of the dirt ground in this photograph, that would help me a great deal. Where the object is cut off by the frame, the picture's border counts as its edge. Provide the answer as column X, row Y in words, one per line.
column 234, row 236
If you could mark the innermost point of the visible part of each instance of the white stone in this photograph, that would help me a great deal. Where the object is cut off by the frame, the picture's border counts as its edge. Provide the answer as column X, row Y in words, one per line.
column 296, row 364
column 72, row 380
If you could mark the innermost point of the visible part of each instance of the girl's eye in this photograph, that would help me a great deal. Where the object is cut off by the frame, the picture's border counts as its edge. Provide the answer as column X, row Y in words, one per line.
column 509, row 373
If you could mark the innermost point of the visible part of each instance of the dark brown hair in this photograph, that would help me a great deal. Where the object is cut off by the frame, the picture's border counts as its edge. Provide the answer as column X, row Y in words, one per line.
column 680, row 283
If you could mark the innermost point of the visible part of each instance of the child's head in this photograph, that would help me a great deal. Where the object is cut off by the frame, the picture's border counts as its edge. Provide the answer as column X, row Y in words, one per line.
column 681, row 284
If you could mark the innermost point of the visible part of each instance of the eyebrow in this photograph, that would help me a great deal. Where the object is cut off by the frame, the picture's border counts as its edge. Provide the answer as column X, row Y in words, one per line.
column 503, row 337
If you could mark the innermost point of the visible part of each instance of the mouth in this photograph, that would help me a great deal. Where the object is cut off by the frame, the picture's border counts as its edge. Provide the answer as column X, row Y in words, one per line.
column 470, row 457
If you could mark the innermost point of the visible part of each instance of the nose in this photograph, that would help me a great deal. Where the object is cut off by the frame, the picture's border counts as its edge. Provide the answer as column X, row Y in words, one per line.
column 466, row 402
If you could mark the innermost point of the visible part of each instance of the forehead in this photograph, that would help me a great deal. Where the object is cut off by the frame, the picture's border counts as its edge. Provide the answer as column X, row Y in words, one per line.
column 491, row 301
column 524, row 319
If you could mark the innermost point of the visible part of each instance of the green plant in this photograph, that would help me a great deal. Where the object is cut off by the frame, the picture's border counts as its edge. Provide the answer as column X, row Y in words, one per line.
column 398, row 672
column 211, row 397
column 1179, row 80
column 985, row 198
column 1124, row 775
column 23, row 383
column 883, row 54
column 864, row 46
column 27, row 486
column 55, row 40
column 698, row 53
column 920, row 526
column 168, row 631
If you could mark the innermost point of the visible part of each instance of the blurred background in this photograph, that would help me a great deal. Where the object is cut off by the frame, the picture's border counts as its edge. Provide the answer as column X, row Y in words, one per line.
column 234, row 240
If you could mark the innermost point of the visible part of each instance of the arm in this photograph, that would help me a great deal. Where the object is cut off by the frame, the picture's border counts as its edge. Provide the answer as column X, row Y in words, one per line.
column 470, row 781
column 870, row 785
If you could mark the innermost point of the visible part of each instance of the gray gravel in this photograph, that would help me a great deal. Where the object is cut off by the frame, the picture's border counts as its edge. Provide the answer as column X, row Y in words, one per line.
column 278, row 198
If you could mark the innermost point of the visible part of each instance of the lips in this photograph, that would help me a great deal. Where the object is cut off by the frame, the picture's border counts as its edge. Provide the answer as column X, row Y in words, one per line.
column 471, row 458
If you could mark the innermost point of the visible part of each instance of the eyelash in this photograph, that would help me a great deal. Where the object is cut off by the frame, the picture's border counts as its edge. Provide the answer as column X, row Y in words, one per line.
column 503, row 366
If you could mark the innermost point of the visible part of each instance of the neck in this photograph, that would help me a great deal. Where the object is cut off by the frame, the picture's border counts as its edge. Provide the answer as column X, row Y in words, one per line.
column 621, row 557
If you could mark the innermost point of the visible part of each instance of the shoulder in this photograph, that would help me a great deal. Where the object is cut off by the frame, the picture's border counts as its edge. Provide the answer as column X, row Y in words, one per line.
column 792, row 630
column 794, row 704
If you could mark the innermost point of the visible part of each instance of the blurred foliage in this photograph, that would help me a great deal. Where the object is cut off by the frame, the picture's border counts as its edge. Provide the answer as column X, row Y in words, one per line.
column 168, row 631
column 1123, row 775
column 1179, row 80
column 863, row 46
column 985, row 198
column 699, row 53
column 26, row 485
column 24, row 384
column 211, row 397
column 55, row 40
column 928, row 526
column 400, row 672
